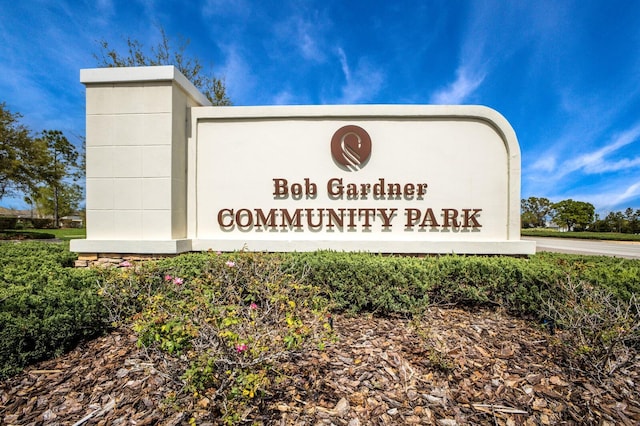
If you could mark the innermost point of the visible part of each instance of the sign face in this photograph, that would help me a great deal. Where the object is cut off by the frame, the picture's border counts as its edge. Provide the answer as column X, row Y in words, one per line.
column 309, row 180
column 166, row 173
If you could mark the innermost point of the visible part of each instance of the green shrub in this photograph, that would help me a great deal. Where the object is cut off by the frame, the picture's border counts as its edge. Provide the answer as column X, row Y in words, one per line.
column 228, row 319
column 214, row 310
column 25, row 235
column 385, row 285
column 597, row 329
column 619, row 276
column 46, row 307
column 360, row 282
column 42, row 223
column 8, row 222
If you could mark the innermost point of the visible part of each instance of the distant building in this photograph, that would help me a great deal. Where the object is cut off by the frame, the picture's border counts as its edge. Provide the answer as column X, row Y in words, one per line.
column 74, row 221
column 554, row 227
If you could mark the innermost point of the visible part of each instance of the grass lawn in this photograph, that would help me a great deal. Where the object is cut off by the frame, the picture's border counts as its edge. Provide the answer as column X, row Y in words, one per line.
column 63, row 234
column 612, row 236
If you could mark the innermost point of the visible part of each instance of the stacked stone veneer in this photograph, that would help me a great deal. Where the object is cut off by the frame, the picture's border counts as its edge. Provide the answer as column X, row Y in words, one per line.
column 110, row 260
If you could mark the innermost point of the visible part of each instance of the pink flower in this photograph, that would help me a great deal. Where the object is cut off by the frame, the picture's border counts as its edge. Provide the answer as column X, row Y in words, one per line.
column 218, row 252
column 125, row 264
column 178, row 281
column 168, row 277
column 241, row 348
column 230, row 263
column 253, row 306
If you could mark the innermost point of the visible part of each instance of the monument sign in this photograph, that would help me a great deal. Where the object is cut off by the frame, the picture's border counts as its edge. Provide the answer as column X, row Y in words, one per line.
column 168, row 173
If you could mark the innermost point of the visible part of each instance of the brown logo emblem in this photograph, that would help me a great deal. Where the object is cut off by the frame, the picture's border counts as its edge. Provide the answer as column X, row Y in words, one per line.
column 351, row 147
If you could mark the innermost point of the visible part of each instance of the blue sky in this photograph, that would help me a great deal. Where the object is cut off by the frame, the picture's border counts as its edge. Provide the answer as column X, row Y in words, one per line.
column 566, row 74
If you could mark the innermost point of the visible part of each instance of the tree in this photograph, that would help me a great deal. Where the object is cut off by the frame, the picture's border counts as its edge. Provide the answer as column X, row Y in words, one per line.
column 21, row 158
column 632, row 220
column 64, row 201
column 615, row 221
column 164, row 54
column 534, row 212
column 528, row 220
column 58, row 194
column 573, row 214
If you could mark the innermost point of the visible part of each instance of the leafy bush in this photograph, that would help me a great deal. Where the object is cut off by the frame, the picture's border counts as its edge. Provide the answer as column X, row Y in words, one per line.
column 358, row 282
column 46, row 307
column 231, row 317
column 597, row 329
column 42, row 223
column 621, row 277
column 25, row 235
column 600, row 317
column 228, row 319
column 8, row 222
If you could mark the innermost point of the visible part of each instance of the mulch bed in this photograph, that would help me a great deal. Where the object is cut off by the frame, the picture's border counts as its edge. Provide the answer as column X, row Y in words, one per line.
column 455, row 367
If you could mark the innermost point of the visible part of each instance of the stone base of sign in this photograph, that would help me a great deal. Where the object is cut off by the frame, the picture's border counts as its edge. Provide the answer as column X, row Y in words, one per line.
column 113, row 260
column 131, row 246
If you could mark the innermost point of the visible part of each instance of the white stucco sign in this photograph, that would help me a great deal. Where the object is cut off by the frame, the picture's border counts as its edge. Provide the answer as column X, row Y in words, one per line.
column 166, row 173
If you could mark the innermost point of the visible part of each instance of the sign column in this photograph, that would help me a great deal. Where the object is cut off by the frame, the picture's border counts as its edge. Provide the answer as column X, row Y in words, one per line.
column 137, row 124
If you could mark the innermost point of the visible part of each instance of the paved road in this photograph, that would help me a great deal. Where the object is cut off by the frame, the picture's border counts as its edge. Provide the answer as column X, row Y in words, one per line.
column 625, row 249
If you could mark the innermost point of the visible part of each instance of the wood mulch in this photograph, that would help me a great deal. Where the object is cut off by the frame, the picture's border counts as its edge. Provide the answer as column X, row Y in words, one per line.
column 455, row 367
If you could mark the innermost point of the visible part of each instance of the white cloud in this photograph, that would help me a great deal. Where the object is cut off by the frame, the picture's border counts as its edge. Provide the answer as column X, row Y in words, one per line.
column 630, row 193
column 547, row 177
column 483, row 48
column 284, row 98
column 239, row 80
column 458, row 91
column 33, row 92
column 596, row 162
column 548, row 171
column 343, row 63
column 614, row 166
column 493, row 35
column 545, row 163
column 307, row 39
column 298, row 38
column 362, row 83
column 616, row 196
